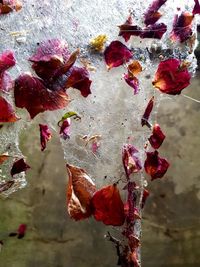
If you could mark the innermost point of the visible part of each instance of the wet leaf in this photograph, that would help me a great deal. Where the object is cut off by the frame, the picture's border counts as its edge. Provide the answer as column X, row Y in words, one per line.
column 171, row 77
column 108, row 206
column 116, row 54
column 19, row 166
column 79, row 193
column 45, row 135
column 7, row 113
column 155, row 166
column 157, row 137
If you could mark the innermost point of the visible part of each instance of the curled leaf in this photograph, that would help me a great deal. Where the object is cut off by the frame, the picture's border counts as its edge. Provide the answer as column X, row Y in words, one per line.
column 147, row 113
column 7, row 114
column 19, row 166
column 157, row 137
column 130, row 159
column 171, row 77
column 69, row 114
column 108, row 206
column 45, row 135
column 98, row 42
column 116, row 54
column 155, row 166
column 79, row 193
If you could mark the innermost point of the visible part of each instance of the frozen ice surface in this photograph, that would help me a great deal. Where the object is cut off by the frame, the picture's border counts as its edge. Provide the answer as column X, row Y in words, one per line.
column 112, row 110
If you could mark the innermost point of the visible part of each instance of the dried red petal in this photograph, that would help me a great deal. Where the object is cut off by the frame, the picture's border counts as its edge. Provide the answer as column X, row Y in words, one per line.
column 21, row 231
column 131, row 161
column 152, row 15
column 116, row 54
column 182, row 27
column 45, row 135
column 155, row 166
column 7, row 6
column 7, row 60
column 79, row 193
column 128, row 29
column 196, row 9
column 6, row 83
column 155, row 31
column 7, row 114
column 144, row 197
column 65, row 129
column 133, row 82
column 6, row 185
column 171, row 77
column 157, row 137
column 134, row 67
column 108, row 206
column 3, row 158
column 19, row 166
column 79, row 79
column 31, row 93
column 147, row 112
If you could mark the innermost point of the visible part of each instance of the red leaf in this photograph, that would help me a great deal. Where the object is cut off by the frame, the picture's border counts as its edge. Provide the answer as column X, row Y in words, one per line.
column 108, row 206
column 79, row 193
column 171, row 77
column 6, row 83
column 65, row 129
column 45, row 135
column 155, row 31
column 147, row 113
column 133, row 82
column 157, row 137
column 155, row 166
column 128, row 29
column 79, row 79
column 19, row 166
column 131, row 161
column 196, row 9
column 152, row 15
column 182, row 27
column 7, row 114
column 116, row 54
column 31, row 93
column 7, row 60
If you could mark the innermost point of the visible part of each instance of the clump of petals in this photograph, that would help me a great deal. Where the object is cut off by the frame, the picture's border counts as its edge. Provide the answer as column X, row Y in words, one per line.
column 45, row 135
column 157, row 137
column 7, row 113
column 116, row 54
column 147, row 113
column 79, row 193
column 155, row 166
column 19, row 166
column 171, row 77
column 98, row 42
column 108, row 206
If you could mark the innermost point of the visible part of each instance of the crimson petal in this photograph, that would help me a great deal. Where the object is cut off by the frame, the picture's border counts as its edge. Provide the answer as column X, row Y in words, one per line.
column 196, row 9
column 144, row 197
column 127, row 29
column 171, row 77
column 79, row 79
column 155, row 31
column 147, row 112
column 31, row 93
column 65, row 129
column 45, row 135
column 152, row 15
column 131, row 161
column 21, row 231
column 7, row 60
column 133, row 82
column 155, row 166
column 19, row 166
column 157, row 137
column 6, row 83
column 7, row 113
column 116, row 54
column 108, row 206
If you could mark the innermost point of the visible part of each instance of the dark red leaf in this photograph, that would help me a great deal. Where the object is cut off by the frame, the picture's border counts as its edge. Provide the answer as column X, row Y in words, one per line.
column 116, row 54
column 31, row 93
column 147, row 113
column 19, row 166
column 45, row 135
column 196, row 9
column 144, row 197
column 7, row 60
column 21, row 231
column 182, row 27
column 6, row 83
column 79, row 79
column 108, row 206
column 171, row 77
column 155, row 166
column 128, row 29
column 65, row 129
column 131, row 161
column 79, row 193
column 7, row 114
column 157, row 137
column 133, row 82
column 155, row 31
column 152, row 15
